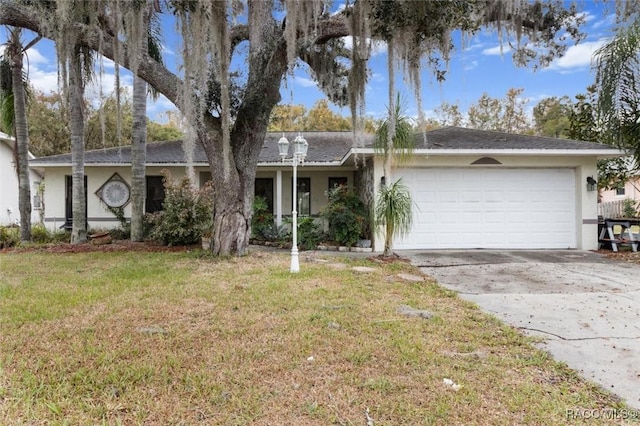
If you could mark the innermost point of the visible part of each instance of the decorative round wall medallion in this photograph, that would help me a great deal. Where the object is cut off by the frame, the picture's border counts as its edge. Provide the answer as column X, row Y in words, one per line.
column 115, row 192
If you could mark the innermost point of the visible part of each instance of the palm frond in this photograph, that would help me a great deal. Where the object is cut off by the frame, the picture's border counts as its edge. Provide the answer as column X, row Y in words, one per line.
column 617, row 66
column 403, row 142
column 7, row 116
column 394, row 207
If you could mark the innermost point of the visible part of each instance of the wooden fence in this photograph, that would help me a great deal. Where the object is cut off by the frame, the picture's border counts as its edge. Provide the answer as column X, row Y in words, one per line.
column 611, row 209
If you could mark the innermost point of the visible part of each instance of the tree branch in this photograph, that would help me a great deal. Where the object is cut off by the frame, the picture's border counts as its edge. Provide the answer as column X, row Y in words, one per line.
column 150, row 70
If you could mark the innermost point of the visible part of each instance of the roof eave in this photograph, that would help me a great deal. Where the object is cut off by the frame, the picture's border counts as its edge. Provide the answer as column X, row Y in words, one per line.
column 508, row 152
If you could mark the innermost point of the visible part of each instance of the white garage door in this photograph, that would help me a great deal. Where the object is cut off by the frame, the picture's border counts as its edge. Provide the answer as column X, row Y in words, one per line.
column 490, row 208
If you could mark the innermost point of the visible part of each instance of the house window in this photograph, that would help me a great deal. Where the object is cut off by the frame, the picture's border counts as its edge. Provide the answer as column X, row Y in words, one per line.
column 155, row 194
column 620, row 190
column 335, row 182
column 37, row 201
column 204, row 178
column 264, row 189
column 304, row 196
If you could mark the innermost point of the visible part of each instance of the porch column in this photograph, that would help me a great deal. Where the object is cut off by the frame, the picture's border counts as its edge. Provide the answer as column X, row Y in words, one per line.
column 278, row 205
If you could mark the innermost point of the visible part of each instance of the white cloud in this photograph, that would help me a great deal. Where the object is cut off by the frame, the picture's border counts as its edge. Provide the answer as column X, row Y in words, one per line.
column 377, row 47
column 34, row 57
column 578, row 56
column 606, row 22
column 470, row 65
column 497, row 50
column 167, row 50
column 304, row 82
column 377, row 77
column 44, row 81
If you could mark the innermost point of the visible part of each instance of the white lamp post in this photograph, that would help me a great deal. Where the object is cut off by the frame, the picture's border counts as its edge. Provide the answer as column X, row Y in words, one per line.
column 300, row 147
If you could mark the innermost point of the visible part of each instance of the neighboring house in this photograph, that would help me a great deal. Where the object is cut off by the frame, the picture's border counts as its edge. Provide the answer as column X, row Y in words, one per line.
column 9, row 212
column 611, row 203
column 631, row 189
column 471, row 188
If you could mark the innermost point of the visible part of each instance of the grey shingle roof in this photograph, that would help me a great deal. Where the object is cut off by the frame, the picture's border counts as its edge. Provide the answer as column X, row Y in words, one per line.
column 323, row 147
column 471, row 139
column 333, row 146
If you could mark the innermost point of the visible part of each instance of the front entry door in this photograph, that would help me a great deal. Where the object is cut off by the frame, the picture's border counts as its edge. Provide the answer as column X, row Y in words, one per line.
column 68, row 202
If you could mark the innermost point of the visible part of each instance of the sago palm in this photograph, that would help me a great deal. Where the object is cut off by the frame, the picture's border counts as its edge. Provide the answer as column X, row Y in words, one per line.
column 394, row 211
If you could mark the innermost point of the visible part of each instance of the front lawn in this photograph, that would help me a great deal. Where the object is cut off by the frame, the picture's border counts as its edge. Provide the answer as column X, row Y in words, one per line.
column 181, row 338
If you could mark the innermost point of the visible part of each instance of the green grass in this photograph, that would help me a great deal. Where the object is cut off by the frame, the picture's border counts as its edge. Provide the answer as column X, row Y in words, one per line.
column 174, row 338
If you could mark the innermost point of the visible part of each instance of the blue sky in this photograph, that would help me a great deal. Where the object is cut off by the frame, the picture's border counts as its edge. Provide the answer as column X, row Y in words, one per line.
column 477, row 68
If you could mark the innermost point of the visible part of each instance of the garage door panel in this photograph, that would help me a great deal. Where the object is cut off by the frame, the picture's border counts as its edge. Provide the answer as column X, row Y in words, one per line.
column 491, row 208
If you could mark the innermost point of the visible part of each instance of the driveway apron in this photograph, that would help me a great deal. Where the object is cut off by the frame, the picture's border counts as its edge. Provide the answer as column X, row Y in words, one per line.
column 585, row 307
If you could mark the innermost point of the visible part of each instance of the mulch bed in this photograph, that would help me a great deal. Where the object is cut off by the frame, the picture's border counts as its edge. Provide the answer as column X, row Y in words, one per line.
column 115, row 246
column 622, row 256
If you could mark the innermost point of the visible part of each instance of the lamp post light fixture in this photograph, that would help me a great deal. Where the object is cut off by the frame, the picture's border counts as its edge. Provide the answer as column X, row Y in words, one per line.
column 300, row 147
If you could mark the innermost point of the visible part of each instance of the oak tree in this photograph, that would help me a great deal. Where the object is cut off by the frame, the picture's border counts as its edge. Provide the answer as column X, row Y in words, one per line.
column 228, row 106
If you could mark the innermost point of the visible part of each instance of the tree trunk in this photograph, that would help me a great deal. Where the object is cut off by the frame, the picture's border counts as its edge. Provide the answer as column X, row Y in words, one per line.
column 14, row 51
column 233, row 192
column 76, row 111
column 138, row 158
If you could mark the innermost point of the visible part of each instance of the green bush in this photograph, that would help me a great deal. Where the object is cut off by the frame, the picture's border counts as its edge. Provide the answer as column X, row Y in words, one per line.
column 9, row 236
column 629, row 208
column 262, row 220
column 346, row 215
column 60, row 236
column 40, row 234
column 186, row 214
column 309, row 233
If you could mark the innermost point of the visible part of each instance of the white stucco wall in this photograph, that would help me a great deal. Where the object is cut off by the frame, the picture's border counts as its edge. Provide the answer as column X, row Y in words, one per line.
column 9, row 190
column 99, row 215
column 319, row 179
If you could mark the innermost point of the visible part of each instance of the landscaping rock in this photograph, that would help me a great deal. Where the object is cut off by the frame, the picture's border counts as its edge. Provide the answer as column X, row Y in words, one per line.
column 98, row 241
column 363, row 269
column 337, row 266
column 361, row 249
column 364, row 244
column 411, row 277
column 408, row 311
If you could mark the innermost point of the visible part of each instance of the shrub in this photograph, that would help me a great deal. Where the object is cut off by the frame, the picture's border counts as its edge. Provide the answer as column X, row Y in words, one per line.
column 40, row 234
column 346, row 215
column 60, row 236
column 9, row 236
column 262, row 220
column 309, row 233
column 629, row 208
column 186, row 214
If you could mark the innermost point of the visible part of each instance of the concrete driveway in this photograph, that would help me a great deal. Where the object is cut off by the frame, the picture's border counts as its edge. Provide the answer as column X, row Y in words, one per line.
column 584, row 306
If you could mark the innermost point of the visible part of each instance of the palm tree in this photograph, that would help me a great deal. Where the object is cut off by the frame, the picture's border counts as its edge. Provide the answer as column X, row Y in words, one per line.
column 394, row 211
column 149, row 46
column 397, row 147
column 13, row 109
column 618, row 85
column 77, row 80
column 396, row 140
